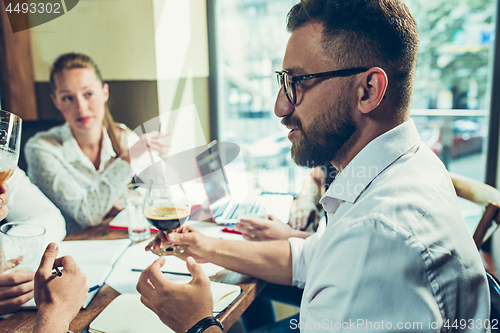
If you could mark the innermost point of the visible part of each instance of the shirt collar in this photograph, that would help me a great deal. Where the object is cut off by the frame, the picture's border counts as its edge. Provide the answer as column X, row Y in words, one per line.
column 72, row 152
column 374, row 158
column 69, row 145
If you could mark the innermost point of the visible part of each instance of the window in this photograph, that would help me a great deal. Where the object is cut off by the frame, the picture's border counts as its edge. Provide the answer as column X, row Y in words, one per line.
column 452, row 90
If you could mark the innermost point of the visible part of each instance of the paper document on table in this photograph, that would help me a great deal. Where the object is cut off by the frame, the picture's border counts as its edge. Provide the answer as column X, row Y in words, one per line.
column 139, row 259
column 95, row 259
column 127, row 314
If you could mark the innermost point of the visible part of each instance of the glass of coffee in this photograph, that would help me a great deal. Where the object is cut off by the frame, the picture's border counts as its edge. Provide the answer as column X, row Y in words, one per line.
column 166, row 207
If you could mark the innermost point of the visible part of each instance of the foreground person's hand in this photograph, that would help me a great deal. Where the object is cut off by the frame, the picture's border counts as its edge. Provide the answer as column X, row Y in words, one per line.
column 15, row 290
column 58, row 298
column 179, row 306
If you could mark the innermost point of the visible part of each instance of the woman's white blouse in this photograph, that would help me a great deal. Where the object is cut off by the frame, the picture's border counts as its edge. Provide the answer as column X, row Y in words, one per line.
column 57, row 165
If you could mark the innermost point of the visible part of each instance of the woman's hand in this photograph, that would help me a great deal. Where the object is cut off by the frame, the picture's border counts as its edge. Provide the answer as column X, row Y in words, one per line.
column 303, row 211
column 257, row 229
column 150, row 142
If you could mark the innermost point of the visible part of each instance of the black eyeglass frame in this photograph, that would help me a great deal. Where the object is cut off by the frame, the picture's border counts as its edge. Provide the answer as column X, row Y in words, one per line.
column 301, row 78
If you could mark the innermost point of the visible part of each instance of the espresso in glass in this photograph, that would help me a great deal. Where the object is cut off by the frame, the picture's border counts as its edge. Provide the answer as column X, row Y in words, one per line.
column 166, row 218
column 166, row 207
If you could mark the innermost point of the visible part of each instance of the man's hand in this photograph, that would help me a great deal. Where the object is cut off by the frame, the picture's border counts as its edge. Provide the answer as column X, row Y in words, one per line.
column 58, row 298
column 303, row 211
column 4, row 198
column 198, row 245
column 179, row 306
column 257, row 229
column 15, row 290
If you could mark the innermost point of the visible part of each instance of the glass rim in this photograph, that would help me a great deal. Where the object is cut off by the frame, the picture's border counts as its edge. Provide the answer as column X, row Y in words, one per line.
column 2, row 227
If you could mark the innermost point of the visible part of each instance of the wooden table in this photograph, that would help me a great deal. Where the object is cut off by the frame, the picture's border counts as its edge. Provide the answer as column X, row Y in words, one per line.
column 23, row 320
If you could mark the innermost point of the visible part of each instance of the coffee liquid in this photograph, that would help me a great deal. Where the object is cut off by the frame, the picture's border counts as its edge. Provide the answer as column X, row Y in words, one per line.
column 166, row 218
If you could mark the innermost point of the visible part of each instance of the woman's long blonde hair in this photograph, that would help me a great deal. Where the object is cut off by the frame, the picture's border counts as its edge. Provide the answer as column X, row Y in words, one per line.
column 78, row 60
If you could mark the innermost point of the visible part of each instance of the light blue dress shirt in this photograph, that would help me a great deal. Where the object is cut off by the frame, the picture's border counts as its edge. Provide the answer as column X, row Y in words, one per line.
column 396, row 255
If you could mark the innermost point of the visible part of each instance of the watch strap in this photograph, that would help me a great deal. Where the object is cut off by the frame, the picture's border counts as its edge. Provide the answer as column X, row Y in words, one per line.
column 205, row 323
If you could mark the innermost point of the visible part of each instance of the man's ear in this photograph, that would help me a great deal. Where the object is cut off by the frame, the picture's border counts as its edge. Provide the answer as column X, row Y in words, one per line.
column 372, row 89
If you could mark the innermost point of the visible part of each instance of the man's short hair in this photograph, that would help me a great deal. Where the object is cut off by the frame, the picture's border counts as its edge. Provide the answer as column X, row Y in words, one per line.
column 367, row 33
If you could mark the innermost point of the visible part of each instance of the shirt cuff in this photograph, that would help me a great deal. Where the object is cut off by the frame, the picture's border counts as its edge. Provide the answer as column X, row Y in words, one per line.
column 299, row 266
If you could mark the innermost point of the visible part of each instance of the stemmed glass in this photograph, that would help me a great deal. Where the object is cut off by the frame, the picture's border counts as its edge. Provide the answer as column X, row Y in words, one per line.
column 166, row 207
column 10, row 143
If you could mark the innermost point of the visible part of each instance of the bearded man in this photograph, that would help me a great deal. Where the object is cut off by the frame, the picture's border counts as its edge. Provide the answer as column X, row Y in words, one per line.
column 396, row 251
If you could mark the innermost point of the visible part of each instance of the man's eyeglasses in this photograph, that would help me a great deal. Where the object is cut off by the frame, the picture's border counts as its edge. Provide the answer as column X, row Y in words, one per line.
column 289, row 82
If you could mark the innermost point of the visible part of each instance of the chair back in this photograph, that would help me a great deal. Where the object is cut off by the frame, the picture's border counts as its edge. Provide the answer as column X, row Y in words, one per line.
column 483, row 195
column 488, row 197
column 30, row 128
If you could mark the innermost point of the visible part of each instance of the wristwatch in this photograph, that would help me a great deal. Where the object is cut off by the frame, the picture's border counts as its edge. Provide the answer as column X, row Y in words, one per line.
column 205, row 323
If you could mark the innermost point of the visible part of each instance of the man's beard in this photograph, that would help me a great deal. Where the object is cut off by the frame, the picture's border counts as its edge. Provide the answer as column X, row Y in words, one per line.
column 324, row 139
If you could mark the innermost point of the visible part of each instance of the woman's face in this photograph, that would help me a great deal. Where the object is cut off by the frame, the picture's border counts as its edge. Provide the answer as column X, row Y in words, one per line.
column 80, row 97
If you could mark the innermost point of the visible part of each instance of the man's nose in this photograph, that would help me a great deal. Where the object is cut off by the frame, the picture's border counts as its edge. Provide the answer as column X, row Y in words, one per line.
column 283, row 107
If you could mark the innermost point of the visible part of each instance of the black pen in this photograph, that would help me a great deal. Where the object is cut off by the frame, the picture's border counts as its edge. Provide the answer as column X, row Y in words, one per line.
column 58, row 272
column 173, row 273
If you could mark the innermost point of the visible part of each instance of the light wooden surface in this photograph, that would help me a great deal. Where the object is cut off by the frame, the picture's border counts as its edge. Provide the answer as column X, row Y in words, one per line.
column 23, row 320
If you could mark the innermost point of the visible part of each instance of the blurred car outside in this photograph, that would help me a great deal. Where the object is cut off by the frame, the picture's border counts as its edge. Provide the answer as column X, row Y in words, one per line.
column 468, row 138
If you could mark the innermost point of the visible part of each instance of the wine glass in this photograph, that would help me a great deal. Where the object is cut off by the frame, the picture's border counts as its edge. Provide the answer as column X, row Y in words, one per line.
column 166, row 207
column 10, row 143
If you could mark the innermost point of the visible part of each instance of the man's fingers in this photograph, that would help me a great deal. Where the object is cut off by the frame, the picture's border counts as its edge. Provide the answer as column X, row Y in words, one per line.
column 4, row 199
column 155, row 244
column 13, row 279
column 4, row 211
column 196, row 271
column 18, row 290
column 4, row 187
column 148, row 304
column 48, row 259
column 154, row 273
column 181, row 239
column 13, row 304
column 67, row 262
column 144, row 287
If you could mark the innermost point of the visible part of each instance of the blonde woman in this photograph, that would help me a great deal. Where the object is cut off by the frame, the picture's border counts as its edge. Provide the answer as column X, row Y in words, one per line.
column 84, row 164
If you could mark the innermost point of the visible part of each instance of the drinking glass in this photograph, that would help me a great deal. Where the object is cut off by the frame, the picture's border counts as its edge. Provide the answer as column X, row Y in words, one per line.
column 167, row 208
column 21, row 246
column 10, row 143
column 138, row 227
